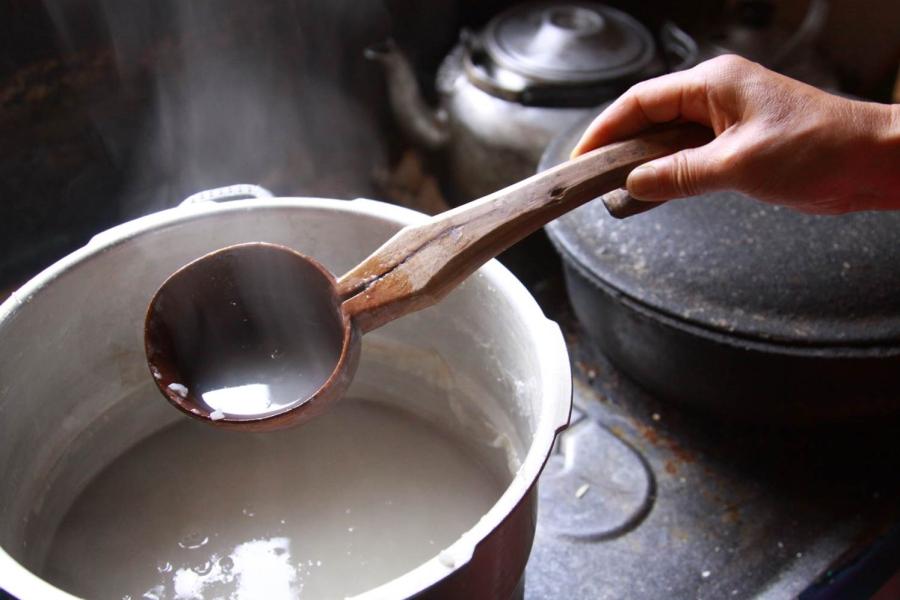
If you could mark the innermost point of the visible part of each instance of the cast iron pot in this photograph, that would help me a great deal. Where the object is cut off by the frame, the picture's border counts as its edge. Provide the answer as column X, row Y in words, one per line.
column 737, row 307
column 485, row 363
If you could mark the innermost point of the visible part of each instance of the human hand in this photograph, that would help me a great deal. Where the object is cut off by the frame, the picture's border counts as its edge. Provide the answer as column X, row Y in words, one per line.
column 777, row 139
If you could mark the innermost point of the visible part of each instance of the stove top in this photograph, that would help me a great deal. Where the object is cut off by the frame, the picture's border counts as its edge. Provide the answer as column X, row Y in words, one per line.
column 645, row 500
column 641, row 498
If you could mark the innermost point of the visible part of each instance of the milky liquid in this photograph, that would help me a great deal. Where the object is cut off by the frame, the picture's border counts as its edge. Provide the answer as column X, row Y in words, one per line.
column 330, row 509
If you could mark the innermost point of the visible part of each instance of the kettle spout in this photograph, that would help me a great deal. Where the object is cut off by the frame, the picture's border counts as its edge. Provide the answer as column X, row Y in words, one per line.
column 418, row 121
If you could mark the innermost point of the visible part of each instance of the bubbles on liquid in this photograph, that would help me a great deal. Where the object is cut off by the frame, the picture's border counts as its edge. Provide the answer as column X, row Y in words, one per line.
column 193, row 540
column 226, row 563
column 350, row 529
column 248, row 512
column 165, row 567
column 207, row 566
column 258, row 568
column 276, row 353
column 157, row 592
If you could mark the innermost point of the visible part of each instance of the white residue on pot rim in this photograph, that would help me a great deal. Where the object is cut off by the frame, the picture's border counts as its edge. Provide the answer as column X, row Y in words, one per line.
column 446, row 559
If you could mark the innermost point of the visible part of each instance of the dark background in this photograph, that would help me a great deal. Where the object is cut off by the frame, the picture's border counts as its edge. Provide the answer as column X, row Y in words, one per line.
column 114, row 109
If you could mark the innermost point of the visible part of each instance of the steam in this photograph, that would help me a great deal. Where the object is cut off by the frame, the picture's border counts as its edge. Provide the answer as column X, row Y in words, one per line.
column 213, row 93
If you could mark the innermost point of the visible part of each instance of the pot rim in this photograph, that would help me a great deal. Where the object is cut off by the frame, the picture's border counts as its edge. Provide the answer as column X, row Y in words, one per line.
column 734, row 338
column 547, row 339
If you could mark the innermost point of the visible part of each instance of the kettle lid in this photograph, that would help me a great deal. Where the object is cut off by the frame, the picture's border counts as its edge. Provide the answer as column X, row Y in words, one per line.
column 570, row 43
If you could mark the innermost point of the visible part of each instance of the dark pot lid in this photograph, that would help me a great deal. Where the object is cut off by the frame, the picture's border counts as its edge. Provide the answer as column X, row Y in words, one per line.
column 562, row 46
column 728, row 263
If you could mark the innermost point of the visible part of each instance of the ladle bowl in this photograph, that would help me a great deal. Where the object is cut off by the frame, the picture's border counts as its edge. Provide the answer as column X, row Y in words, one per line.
column 257, row 336
column 245, row 333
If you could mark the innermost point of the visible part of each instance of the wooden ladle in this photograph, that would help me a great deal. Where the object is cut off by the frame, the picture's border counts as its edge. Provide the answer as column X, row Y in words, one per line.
column 257, row 336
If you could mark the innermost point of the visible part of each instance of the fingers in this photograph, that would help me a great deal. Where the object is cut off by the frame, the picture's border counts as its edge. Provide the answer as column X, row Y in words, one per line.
column 708, row 94
column 686, row 173
column 677, row 95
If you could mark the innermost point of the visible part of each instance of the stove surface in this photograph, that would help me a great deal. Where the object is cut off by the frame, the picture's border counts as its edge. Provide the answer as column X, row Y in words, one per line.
column 645, row 500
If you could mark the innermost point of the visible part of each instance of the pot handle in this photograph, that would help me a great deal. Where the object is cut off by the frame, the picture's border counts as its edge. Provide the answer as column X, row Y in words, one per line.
column 228, row 192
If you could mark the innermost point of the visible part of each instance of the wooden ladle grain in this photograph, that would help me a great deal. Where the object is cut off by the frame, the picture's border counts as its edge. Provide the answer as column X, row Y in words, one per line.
column 258, row 336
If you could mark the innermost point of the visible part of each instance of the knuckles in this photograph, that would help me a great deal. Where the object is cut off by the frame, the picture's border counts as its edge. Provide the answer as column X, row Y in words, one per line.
column 730, row 64
column 684, row 175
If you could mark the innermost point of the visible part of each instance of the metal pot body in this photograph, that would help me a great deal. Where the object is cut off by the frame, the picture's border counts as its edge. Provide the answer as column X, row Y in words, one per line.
column 737, row 306
column 485, row 363
column 494, row 142
column 495, row 137
column 535, row 69
column 729, row 376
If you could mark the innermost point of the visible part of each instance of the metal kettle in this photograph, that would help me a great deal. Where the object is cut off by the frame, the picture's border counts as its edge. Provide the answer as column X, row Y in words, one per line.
column 506, row 91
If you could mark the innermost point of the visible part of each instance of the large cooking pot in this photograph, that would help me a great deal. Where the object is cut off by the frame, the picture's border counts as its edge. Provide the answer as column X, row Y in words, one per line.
column 735, row 306
column 533, row 70
column 485, row 363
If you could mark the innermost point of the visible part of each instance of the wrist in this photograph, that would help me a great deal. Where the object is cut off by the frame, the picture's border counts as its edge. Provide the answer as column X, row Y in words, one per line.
column 880, row 122
column 876, row 157
column 887, row 147
column 874, row 124
column 884, row 157
column 892, row 132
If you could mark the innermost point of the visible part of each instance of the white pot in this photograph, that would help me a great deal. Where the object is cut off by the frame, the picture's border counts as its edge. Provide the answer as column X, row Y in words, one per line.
column 71, row 355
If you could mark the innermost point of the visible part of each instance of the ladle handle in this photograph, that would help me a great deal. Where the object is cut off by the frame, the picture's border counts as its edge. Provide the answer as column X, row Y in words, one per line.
column 621, row 205
column 422, row 263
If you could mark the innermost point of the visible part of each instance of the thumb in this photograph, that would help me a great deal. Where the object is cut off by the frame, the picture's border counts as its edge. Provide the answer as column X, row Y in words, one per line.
column 685, row 173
